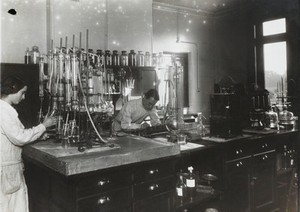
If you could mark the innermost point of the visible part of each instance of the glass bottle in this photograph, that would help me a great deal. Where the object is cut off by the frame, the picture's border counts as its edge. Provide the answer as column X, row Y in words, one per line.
column 154, row 59
column 286, row 118
column 115, row 58
column 99, row 56
column 181, row 189
column 35, row 55
column 132, row 58
column 124, row 58
column 160, row 59
column 107, row 58
column 27, row 56
column 140, row 58
column 147, row 59
column 271, row 118
column 200, row 126
column 191, row 183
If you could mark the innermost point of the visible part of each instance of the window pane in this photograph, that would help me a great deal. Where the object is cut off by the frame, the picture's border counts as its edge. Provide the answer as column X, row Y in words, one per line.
column 274, row 27
column 275, row 63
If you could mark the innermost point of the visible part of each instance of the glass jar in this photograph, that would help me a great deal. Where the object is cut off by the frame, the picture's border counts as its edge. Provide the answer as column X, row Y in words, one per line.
column 132, row 58
column 140, row 59
column 160, row 59
column 286, row 119
column 147, row 59
column 271, row 119
column 154, row 59
column 115, row 58
column 124, row 58
column 107, row 57
column 100, row 56
column 35, row 55
column 27, row 56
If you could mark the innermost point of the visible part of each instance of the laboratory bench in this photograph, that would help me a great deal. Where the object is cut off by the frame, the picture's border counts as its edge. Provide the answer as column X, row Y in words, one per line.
column 139, row 174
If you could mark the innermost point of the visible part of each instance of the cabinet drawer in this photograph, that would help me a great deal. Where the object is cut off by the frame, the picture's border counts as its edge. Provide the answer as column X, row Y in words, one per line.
column 235, row 165
column 237, row 151
column 109, row 200
column 102, row 182
column 154, row 171
column 148, row 189
column 263, row 146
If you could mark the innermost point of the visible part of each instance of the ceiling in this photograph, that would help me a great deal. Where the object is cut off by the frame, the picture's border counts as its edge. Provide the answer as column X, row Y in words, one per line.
column 209, row 6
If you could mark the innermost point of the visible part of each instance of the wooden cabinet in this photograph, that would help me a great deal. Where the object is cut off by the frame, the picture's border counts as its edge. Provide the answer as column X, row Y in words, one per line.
column 237, row 190
column 250, row 176
column 139, row 187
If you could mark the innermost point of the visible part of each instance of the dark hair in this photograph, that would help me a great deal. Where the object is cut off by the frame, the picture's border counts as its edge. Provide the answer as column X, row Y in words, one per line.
column 152, row 93
column 11, row 85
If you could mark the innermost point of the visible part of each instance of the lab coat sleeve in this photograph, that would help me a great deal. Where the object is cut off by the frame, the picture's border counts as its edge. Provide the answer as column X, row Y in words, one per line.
column 17, row 134
column 154, row 118
column 126, row 120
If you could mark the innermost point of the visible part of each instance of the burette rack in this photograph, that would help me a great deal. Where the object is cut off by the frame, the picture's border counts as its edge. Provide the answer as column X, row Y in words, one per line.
column 78, row 88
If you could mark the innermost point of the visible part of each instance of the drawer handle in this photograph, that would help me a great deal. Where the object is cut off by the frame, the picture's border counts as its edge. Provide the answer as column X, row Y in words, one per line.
column 153, row 171
column 264, row 146
column 153, row 187
column 103, row 182
column 265, row 157
column 239, row 164
column 239, row 151
column 103, row 200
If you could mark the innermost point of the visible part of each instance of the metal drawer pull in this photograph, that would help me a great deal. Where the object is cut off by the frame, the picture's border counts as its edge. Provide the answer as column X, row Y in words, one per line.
column 153, row 171
column 103, row 200
column 239, row 151
column 103, row 182
column 153, row 187
column 265, row 157
column 264, row 146
column 239, row 164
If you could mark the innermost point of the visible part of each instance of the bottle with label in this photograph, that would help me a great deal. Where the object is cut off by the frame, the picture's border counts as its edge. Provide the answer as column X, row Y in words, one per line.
column 181, row 189
column 27, row 56
column 191, row 183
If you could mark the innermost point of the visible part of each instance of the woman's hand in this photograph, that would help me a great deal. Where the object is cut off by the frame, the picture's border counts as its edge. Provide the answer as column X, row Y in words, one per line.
column 49, row 121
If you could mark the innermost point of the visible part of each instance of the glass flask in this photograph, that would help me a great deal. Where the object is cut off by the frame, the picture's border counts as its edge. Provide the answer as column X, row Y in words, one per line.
column 286, row 119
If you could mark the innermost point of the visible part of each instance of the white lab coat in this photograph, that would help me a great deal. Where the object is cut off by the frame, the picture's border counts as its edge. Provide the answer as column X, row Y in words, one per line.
column 13, row 190
column 133, row 114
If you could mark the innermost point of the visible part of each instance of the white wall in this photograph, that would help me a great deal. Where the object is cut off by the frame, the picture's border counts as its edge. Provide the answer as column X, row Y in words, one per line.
column 25, row 29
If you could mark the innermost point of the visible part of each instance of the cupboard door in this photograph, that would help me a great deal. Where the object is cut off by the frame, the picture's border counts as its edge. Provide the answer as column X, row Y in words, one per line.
column 237, row 193
column 159, row 203
column 263, row 181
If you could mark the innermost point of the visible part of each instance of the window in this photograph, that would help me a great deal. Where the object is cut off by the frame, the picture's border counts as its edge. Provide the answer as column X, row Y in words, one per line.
column 275, row 58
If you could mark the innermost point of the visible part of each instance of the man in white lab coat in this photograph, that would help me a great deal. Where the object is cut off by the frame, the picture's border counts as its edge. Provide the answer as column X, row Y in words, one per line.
column 134, row 112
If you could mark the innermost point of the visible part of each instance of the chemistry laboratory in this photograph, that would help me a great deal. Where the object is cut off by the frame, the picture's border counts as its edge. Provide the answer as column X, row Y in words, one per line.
column 150, row 106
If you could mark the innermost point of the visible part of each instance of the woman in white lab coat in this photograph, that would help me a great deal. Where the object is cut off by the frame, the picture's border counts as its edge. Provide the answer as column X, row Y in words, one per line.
column 13, row 190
